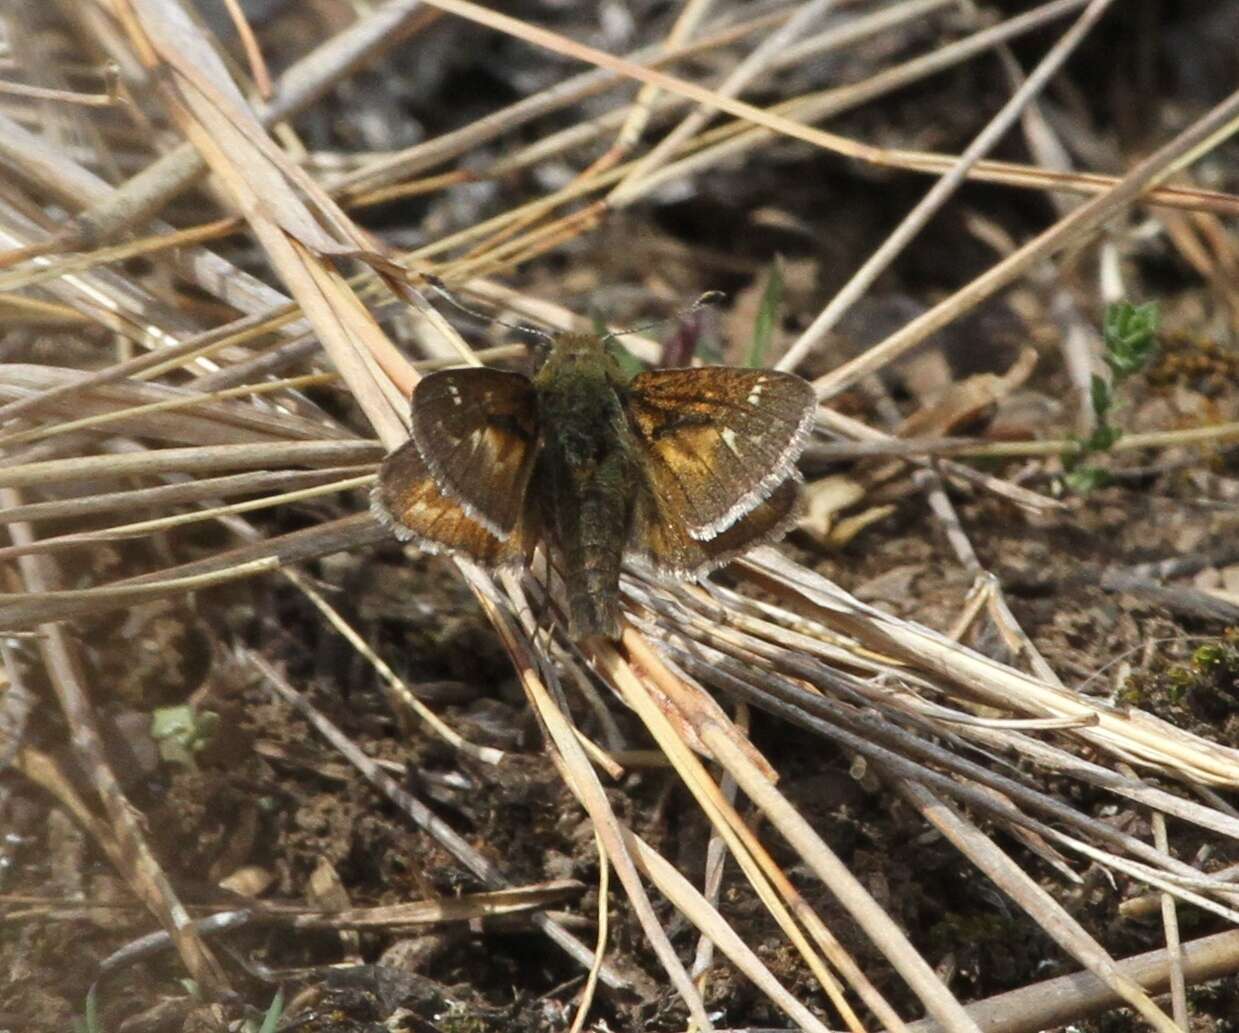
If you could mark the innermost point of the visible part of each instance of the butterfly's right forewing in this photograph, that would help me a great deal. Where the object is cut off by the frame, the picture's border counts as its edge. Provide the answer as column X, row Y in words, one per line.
column 717, row 440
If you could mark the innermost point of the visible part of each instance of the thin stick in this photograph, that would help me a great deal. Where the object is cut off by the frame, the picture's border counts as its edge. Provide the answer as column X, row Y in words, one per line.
column 140, row 527
column 253, row 52
column 400, row 693
column 421, row 815
column 604, row 903
column 171, row 494
column 1068, row 999
column 1174, row 947
column 583, row 781
column 139, row 866
column 942, row 190
column 191, row 460
column 638, row 117
column 1083, row 221
column 877, row 924
column 763, row 874
column 88, row 100
column 187, row 401
column 629, row 188
column 1022, row 888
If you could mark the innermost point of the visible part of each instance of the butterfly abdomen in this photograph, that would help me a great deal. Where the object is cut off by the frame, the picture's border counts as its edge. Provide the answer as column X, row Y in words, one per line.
column 594, row 559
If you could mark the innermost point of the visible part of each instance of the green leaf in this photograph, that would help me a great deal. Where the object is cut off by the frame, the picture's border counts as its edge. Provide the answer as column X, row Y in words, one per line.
column 89, row 1023
column 167, row 722
column 1127, row 324
column 1103, row 438
column 181, row 731
column 1130, row 336
column 272, row 1018
column 767, row 316
column 92, row 1009
column 1210, row 655
column 1084, row 479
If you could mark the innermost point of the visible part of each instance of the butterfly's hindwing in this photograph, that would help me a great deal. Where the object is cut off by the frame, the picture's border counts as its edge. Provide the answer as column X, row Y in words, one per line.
column 408, row 500
column 664, row 544
column 477, row 432
column 718, row 440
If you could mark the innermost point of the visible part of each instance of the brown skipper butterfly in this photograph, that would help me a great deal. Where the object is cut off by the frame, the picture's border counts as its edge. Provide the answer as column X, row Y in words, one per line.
column 679, row 470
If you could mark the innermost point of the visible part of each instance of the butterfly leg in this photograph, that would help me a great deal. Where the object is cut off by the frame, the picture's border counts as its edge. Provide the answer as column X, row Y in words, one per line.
column 544, row 624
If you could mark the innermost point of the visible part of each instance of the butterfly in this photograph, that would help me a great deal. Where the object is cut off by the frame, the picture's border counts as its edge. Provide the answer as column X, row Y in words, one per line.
column 675, row 470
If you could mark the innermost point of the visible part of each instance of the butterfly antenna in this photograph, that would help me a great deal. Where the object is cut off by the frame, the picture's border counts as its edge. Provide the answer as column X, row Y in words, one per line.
column 708, row 298
column 437, row 285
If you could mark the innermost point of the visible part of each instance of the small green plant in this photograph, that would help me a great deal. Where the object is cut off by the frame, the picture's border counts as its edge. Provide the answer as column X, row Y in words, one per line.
column 1129, row 334
column 89, row 1022
column 1197, row 692
column 182, row 732
column 272, row 1018
column 767, row 317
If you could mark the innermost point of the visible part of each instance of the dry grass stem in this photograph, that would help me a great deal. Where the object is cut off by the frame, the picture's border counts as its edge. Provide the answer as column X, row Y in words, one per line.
column 758, row 61
column 141, row 527
column 136, row 861
column 997, row 127
column 172, row 494
column 1053, row 918
column 1082, row 221
column 583, row 781
column 190, row 460
column 402, row 695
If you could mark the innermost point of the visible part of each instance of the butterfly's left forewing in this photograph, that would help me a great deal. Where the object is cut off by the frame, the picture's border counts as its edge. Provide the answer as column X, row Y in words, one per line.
column 717, row 440
column 477, row 432
column 408, row 500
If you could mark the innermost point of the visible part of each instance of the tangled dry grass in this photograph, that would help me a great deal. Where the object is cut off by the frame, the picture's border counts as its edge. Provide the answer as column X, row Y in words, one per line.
column 246, row 348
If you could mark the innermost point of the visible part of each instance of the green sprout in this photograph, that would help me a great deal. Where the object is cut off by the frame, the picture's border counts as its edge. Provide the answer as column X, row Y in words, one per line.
column 182, row 732
column 767, row 317
column 1129, row 333
column 89, row 1021
column 274, row 1013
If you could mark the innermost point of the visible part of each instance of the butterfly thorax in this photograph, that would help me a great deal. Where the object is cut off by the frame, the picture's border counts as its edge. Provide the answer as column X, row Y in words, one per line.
column 579, row 406
column 587, row 471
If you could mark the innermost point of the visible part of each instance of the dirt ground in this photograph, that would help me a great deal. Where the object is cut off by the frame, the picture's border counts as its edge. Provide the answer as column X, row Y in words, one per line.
column 268, row 808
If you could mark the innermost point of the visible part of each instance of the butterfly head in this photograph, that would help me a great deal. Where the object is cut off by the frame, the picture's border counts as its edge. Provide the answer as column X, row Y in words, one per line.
column 579, row 357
